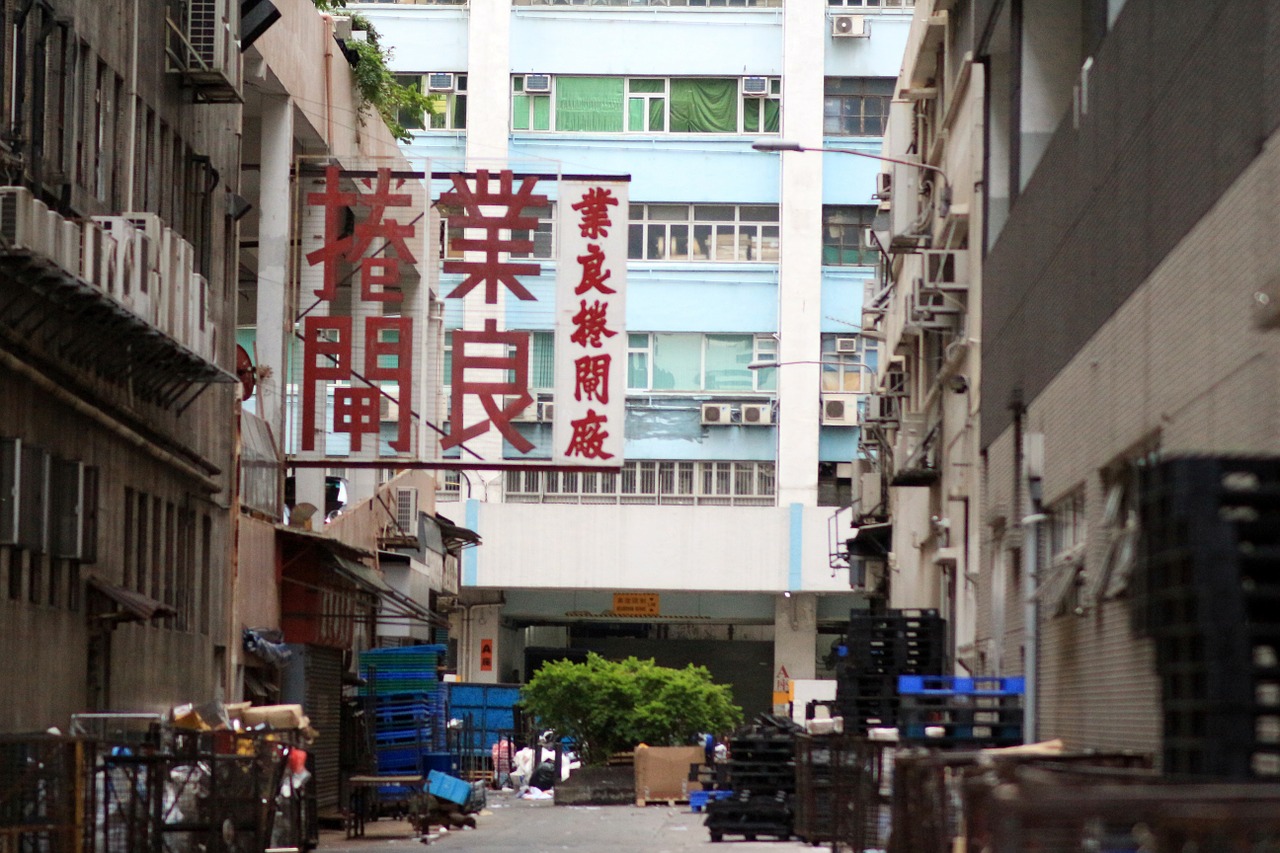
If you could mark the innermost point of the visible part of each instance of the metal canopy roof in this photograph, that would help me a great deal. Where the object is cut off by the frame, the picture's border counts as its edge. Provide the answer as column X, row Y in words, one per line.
column 50, row 314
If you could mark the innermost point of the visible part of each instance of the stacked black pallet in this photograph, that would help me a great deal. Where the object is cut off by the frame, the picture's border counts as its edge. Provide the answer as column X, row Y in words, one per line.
column 956, row 712
column 877, row 649
column 1208, row 592
column 762, row 775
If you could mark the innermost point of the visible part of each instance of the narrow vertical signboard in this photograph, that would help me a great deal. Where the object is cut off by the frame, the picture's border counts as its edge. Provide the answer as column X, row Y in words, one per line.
column 590, row 334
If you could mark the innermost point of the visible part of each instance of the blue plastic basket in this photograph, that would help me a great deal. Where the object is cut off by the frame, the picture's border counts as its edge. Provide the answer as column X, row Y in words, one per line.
column 448, row 787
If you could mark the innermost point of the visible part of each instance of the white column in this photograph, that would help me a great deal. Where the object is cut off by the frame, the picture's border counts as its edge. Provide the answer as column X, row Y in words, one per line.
column 800, row 271
column 488, row 123
column 795, row 637
column 274, row 227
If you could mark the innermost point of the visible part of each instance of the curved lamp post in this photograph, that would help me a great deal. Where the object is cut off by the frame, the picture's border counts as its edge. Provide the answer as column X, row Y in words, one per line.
column 779, row 145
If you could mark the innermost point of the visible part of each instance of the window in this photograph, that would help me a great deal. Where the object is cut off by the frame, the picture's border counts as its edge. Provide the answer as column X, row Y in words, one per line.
column 872, row 5
column 760, row 113
column 650, row 482
column 856, row 106
column 674, row 361
column 446, row 101
column 647, row 105
column 723, row 233
column 574, row 104
column 543, row 236
column 1067, row 525
column 529, row 110
column 844, row 235
column 845, row 370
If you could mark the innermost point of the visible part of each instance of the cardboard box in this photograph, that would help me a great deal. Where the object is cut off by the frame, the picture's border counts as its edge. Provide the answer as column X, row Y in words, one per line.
column 662, row 772
column 275, row 716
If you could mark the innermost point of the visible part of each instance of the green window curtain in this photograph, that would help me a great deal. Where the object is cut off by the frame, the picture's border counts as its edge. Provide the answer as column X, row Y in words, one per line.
column 541, row 112
column 727, row 360
column 520, row 112
column 772, row 115
column 542, row 363
column 590, row 104
column 704, row 105
column 657, row 115
column 635, row 110
column 677, row 362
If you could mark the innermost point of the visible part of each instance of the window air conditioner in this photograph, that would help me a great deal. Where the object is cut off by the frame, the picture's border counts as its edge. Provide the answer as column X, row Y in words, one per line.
column 546, row 412
column 440, row 82
column 884, row 185
column 757, row 414
column 755, row 87
column 846, row 345
column 537, row 83
column 528, row 413
column 716, row 413
column 848, row 26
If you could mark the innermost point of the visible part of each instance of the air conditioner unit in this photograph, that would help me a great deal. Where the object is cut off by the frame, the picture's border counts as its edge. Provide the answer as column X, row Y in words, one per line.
column 755, row 87
column 537, row 83
column 407, row 510
column 946, row 269
column 848, row 26
column 440, row 82
column 881, row 409
column 884, row 185
column 716, row 413
column 205, row 50
column 124, row 258
column 846, row 345
column 546, row 412
column 839, row 409
column 757, row 414
column 68, row 254
column 525, row 415
column 388, row 409
column 22, row 221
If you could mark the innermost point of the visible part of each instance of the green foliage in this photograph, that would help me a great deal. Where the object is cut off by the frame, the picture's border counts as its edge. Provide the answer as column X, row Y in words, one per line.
column 376, row 86
column 612, row 706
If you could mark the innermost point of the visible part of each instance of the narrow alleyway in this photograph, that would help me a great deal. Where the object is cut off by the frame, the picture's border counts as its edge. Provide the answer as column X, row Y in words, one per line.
column 510, row 825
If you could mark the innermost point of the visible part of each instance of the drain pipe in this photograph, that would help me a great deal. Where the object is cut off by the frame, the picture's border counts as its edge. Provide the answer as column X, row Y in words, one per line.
column 1033, row 525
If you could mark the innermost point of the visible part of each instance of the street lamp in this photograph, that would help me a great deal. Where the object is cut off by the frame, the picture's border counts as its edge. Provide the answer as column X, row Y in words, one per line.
column 778, row 145
column 762, row 365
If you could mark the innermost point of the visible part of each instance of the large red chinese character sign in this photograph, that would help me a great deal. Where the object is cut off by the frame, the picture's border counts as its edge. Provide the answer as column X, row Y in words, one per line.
column 590, row 342
column 358, row 329
column 490, row 365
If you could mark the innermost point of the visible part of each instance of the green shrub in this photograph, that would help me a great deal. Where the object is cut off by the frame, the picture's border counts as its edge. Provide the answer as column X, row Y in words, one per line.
column 612, row 706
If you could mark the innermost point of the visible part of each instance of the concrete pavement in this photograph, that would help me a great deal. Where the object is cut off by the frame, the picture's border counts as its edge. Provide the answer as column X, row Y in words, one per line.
column 511, row 825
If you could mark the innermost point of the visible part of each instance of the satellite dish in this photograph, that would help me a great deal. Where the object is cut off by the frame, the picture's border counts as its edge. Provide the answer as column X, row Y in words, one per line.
column 244, row 370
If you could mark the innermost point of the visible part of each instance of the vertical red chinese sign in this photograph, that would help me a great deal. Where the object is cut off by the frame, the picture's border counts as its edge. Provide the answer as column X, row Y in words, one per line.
column 358, row 328
column 590, row 334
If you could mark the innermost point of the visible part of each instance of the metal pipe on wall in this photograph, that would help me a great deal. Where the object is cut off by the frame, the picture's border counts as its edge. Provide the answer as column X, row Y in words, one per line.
column 118, row 429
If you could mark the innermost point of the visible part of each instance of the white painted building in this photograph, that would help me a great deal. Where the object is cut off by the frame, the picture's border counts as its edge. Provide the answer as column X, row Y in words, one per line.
column 720, row 524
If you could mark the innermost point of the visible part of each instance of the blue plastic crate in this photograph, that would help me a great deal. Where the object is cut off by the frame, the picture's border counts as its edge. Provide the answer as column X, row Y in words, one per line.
column 954, row 685
column 447, row 787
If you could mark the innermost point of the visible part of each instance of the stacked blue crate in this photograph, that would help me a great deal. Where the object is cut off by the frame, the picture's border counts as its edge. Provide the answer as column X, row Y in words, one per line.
column 408, row 710
column 960, row 712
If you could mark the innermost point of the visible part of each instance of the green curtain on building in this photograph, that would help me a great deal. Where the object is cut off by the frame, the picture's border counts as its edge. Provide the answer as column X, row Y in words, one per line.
column 589, row 104
column 704, row 106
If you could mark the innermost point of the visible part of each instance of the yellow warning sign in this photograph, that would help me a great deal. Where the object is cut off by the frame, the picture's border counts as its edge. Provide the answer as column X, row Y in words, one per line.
column 636, row 604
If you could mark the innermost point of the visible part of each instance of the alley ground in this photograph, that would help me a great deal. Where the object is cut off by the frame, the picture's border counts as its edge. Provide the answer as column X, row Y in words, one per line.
column 510, row 825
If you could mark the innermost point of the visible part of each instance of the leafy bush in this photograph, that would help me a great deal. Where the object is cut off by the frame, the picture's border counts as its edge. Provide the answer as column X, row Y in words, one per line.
column 375, row 85
column 611, row 706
